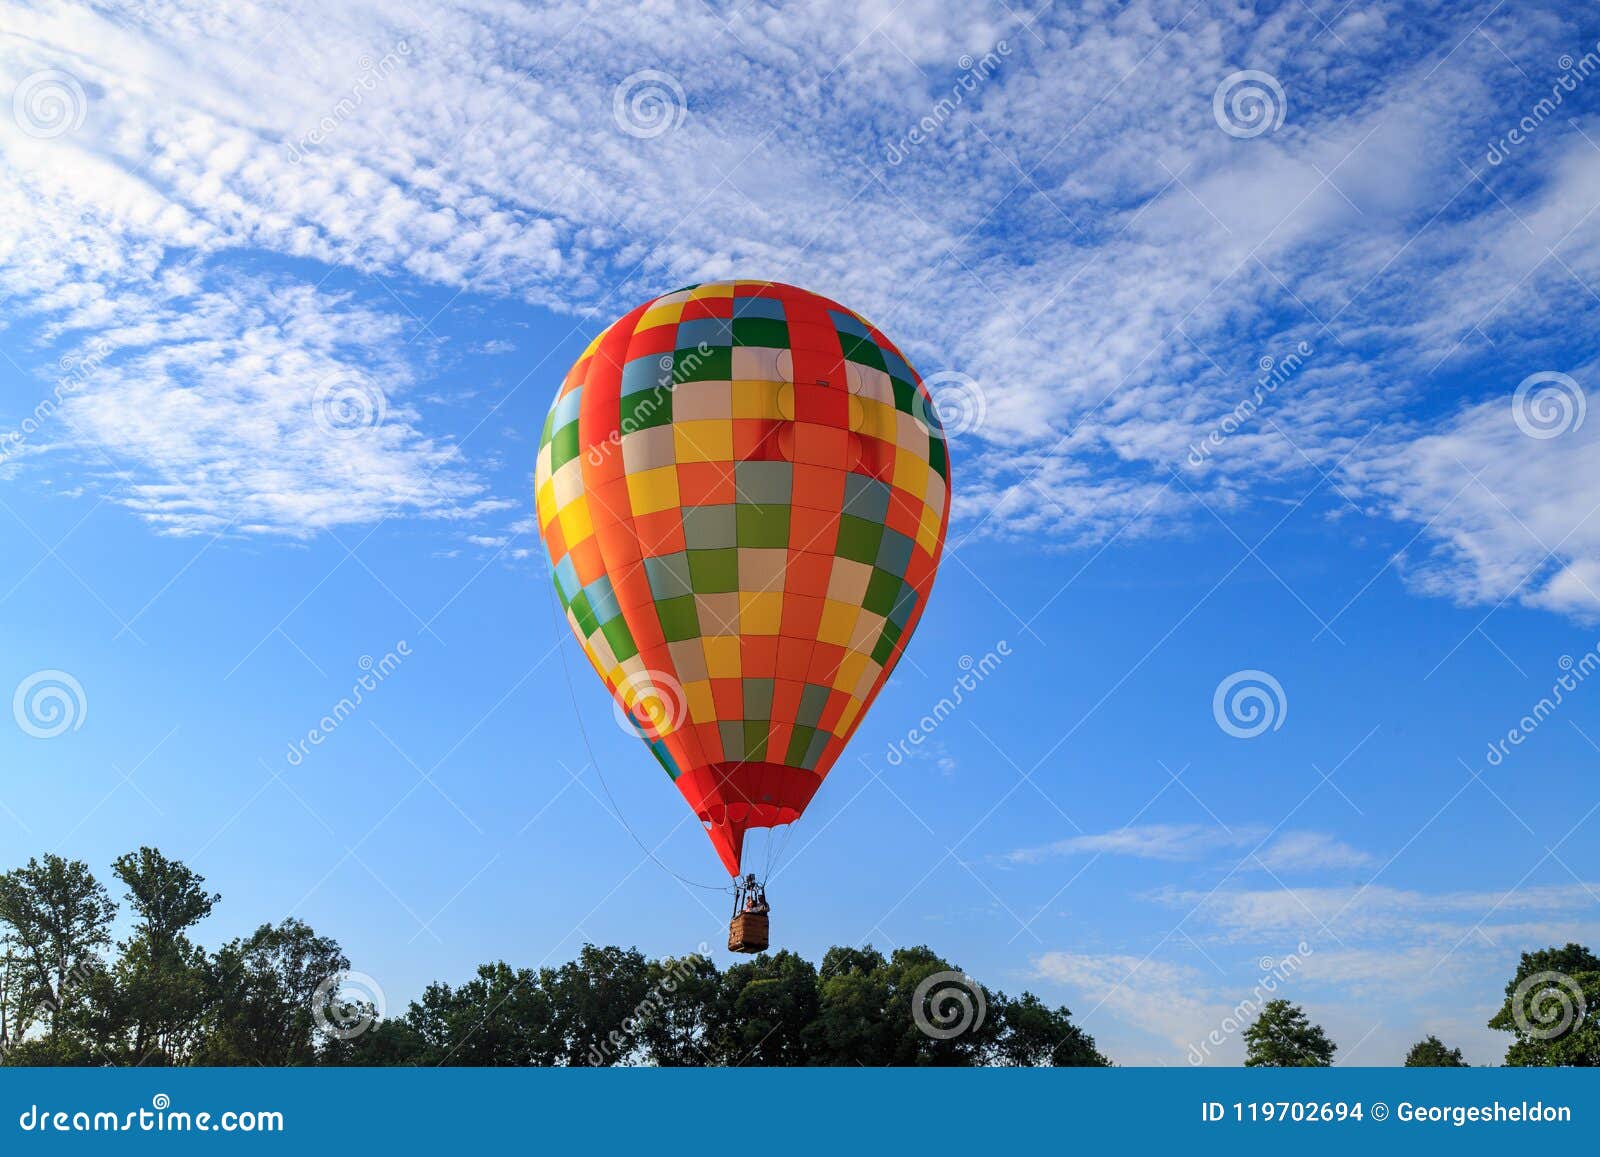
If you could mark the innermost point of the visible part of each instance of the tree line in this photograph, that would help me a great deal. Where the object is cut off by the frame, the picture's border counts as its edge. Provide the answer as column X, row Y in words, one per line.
column 1551, row 1008
column 70, row 995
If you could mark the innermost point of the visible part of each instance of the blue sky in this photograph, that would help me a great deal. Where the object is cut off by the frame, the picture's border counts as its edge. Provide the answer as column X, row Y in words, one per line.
column 281, row 315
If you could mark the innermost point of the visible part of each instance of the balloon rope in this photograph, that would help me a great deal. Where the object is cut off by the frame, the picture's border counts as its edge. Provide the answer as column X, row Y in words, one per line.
column 775, row 860
column 595, row 763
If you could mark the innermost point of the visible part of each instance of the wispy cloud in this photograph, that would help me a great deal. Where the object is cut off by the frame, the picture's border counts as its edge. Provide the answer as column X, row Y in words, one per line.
column 1363, row 958
column 1353, row 912
column 1288, row 851
column 1307, row 851
column 1109, row 265
column 1148, row 841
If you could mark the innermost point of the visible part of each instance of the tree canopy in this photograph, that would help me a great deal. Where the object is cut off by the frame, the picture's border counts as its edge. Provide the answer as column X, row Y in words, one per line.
column 1283, row 1037
column 71, row 995
column 1431, row 1053
column 1552, row 1008
column 274, row 997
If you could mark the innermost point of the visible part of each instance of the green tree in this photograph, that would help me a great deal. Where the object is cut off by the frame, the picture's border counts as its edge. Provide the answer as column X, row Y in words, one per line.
column 1033, row 1033
column 1282, row 1037
column 274, row 998
column 763, row 1011
column 56, row 918
column 160, row 987
column 263, row 992
column 682, row 995
column 1552, row 1007
column 956, row 998
column 387, row 1043
column 600, row 993
column 503, row 1016
column 1430, row 1053
column 852, row 1024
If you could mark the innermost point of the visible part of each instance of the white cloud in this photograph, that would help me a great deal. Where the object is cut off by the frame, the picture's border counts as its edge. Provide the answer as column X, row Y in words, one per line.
column 1147, row 841
column 1306, row 851
column 1161, row 999
column 1511, row 516
column 1353, row 912
column 1079, row 237
column 258, row 407
column 1244, row 847
column 1373, row 964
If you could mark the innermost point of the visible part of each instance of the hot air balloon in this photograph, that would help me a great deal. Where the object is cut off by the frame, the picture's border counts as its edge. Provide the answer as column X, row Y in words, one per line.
column 743, row 490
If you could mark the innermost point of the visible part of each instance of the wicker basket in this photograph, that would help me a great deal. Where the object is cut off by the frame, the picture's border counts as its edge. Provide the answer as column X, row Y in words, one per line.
column 747, row 932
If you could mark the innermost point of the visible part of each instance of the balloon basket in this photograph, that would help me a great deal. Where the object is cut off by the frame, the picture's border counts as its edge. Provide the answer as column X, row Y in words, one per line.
column 747, row 932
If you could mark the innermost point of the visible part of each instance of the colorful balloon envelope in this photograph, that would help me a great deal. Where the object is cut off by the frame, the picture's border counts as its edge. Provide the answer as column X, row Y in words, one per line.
column 743, row 489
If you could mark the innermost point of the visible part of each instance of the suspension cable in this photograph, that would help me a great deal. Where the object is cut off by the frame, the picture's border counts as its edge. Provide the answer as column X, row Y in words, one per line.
column 595, row 762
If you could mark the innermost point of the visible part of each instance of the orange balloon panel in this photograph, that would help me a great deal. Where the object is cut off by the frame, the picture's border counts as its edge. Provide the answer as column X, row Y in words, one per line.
column 743, row 489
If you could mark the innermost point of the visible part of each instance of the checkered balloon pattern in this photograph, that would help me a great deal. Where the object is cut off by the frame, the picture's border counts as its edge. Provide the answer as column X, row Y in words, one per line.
column 743, row 489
